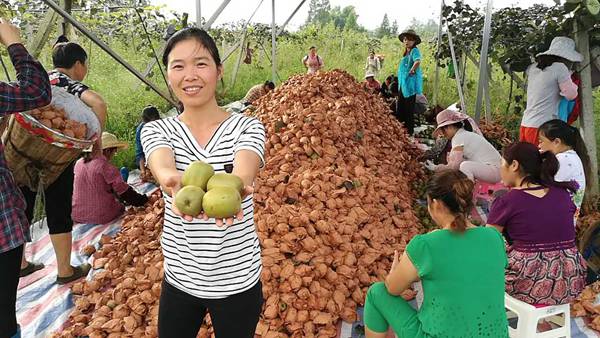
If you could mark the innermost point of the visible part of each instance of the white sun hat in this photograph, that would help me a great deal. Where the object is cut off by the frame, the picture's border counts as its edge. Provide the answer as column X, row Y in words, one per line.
column 565, row 48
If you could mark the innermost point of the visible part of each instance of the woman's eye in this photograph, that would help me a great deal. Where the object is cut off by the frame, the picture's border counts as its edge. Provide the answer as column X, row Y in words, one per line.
column 201, row 64
column 177, row 67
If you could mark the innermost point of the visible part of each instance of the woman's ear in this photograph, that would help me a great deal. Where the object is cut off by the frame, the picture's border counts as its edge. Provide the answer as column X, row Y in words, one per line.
column 220, row 71
column 514, row 166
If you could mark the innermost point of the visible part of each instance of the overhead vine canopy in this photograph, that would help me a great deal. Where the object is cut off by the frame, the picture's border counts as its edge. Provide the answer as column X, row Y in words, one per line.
column 517, row 33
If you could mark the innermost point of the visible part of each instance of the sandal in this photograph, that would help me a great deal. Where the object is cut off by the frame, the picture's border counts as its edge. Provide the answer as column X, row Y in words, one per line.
column 78, row 272
column 30, row 268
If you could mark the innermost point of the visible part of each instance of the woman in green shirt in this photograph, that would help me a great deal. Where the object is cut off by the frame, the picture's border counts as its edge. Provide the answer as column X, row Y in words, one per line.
column 460, row 266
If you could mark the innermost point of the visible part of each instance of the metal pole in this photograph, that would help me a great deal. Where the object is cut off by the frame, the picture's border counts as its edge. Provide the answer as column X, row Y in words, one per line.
column 463, row 106
column 436, row 81
column 215, row 15
column 483, row 60
column 198, row 13
column 107, row 49
column 587, row 105
column 273, row 46
column 240, row 42
column 290, row 18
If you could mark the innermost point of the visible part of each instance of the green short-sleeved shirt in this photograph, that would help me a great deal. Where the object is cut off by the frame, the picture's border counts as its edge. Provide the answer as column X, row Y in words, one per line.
column 463, row 282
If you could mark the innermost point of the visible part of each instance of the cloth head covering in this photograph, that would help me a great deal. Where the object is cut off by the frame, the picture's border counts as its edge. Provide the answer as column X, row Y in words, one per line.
column 563, row 47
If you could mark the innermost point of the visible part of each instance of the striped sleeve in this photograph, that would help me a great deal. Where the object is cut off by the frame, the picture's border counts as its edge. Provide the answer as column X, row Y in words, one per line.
column 252, row 138
column 154, row 136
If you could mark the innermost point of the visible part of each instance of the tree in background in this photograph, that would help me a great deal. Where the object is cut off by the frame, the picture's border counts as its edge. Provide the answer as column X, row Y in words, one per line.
column 319, row 12
column 394, row 28
column 384, row 29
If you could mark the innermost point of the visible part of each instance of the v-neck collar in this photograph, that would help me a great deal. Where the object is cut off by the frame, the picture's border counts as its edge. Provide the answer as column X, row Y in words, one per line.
column 209, row 144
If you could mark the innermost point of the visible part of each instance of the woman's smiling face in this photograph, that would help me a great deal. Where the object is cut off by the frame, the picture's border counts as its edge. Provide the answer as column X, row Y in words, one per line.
column 193, row 73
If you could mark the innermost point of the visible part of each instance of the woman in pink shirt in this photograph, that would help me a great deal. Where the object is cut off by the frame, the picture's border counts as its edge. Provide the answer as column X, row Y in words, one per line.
column 99, row 192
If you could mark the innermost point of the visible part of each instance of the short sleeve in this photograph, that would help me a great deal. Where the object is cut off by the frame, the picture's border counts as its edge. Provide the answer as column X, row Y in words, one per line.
column 154, row 136
column 501, row 211
column 416, row 54
column 252, row 138
column 562, row 72
column 565, row 168
column 418, row 253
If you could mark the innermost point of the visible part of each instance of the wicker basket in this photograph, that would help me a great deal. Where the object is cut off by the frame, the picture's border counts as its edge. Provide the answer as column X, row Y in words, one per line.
column 37, row 155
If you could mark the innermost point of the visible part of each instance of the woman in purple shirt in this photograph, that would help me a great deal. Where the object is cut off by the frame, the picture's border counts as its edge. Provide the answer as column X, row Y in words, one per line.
column 544, row 266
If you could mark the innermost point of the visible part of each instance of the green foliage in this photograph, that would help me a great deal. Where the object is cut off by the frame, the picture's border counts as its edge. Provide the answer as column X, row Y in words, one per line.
column 320, row 13
column 384, row 29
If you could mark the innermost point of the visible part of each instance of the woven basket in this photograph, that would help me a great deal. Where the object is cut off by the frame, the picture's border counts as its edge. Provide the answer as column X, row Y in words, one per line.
column 37, row 155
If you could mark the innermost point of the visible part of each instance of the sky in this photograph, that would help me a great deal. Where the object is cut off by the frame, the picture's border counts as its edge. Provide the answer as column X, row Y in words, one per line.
column 370, row 12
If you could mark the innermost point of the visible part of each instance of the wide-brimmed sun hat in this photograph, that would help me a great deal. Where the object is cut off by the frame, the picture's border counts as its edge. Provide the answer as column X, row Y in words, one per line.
column 448, row 117
column 411, row 33
column 563, row 47
column 111, row 141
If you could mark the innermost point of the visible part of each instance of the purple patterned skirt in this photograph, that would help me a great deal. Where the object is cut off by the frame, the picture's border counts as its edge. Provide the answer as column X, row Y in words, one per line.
column 545, row 278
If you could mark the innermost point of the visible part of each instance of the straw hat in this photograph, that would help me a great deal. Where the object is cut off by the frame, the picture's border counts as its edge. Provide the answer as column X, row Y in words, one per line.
column 111, row 141
column 448, row 117
column 411, row 33
column 563, row 47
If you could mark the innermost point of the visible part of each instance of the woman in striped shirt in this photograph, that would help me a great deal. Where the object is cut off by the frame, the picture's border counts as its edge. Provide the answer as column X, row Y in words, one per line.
column 210, row 265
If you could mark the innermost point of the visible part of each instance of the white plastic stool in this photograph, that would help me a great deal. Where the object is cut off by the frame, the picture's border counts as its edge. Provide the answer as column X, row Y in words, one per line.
column 528, row 317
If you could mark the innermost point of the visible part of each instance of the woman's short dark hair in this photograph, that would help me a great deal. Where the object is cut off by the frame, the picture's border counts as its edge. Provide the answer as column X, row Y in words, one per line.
column 269, row 84
column 66, row 54
column 192, row 33
column 535, row 167
column 150, row 114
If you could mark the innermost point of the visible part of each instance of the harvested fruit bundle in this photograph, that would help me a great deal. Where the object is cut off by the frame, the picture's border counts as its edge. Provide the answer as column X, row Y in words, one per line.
column 122, row 299
column 585, row 305
column 333, row 201
column 56, row 119
column 496, row 134
column 217, row 195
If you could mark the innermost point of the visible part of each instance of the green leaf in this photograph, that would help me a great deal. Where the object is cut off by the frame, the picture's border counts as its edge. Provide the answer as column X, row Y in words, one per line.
column 593, row 6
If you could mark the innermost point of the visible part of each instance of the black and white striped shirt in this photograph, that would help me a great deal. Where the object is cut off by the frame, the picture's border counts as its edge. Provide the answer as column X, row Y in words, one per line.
column 202, row 259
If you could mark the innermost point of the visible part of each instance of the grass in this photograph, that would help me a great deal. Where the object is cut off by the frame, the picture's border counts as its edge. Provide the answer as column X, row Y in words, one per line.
column 126, row 96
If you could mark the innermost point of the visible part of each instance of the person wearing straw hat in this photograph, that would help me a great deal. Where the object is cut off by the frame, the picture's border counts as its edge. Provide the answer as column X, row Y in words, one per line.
column 99, row 192
column 549, row 80
column 410, row 78
column 371, row 84
column 470, row 153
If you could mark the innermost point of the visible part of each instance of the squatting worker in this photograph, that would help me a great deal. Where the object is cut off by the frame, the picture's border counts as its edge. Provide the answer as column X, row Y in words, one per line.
column 99, row 191
column 258, row 91
column 471, row 153
column 70, row 68
column 31, row 90
column 211, row 265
